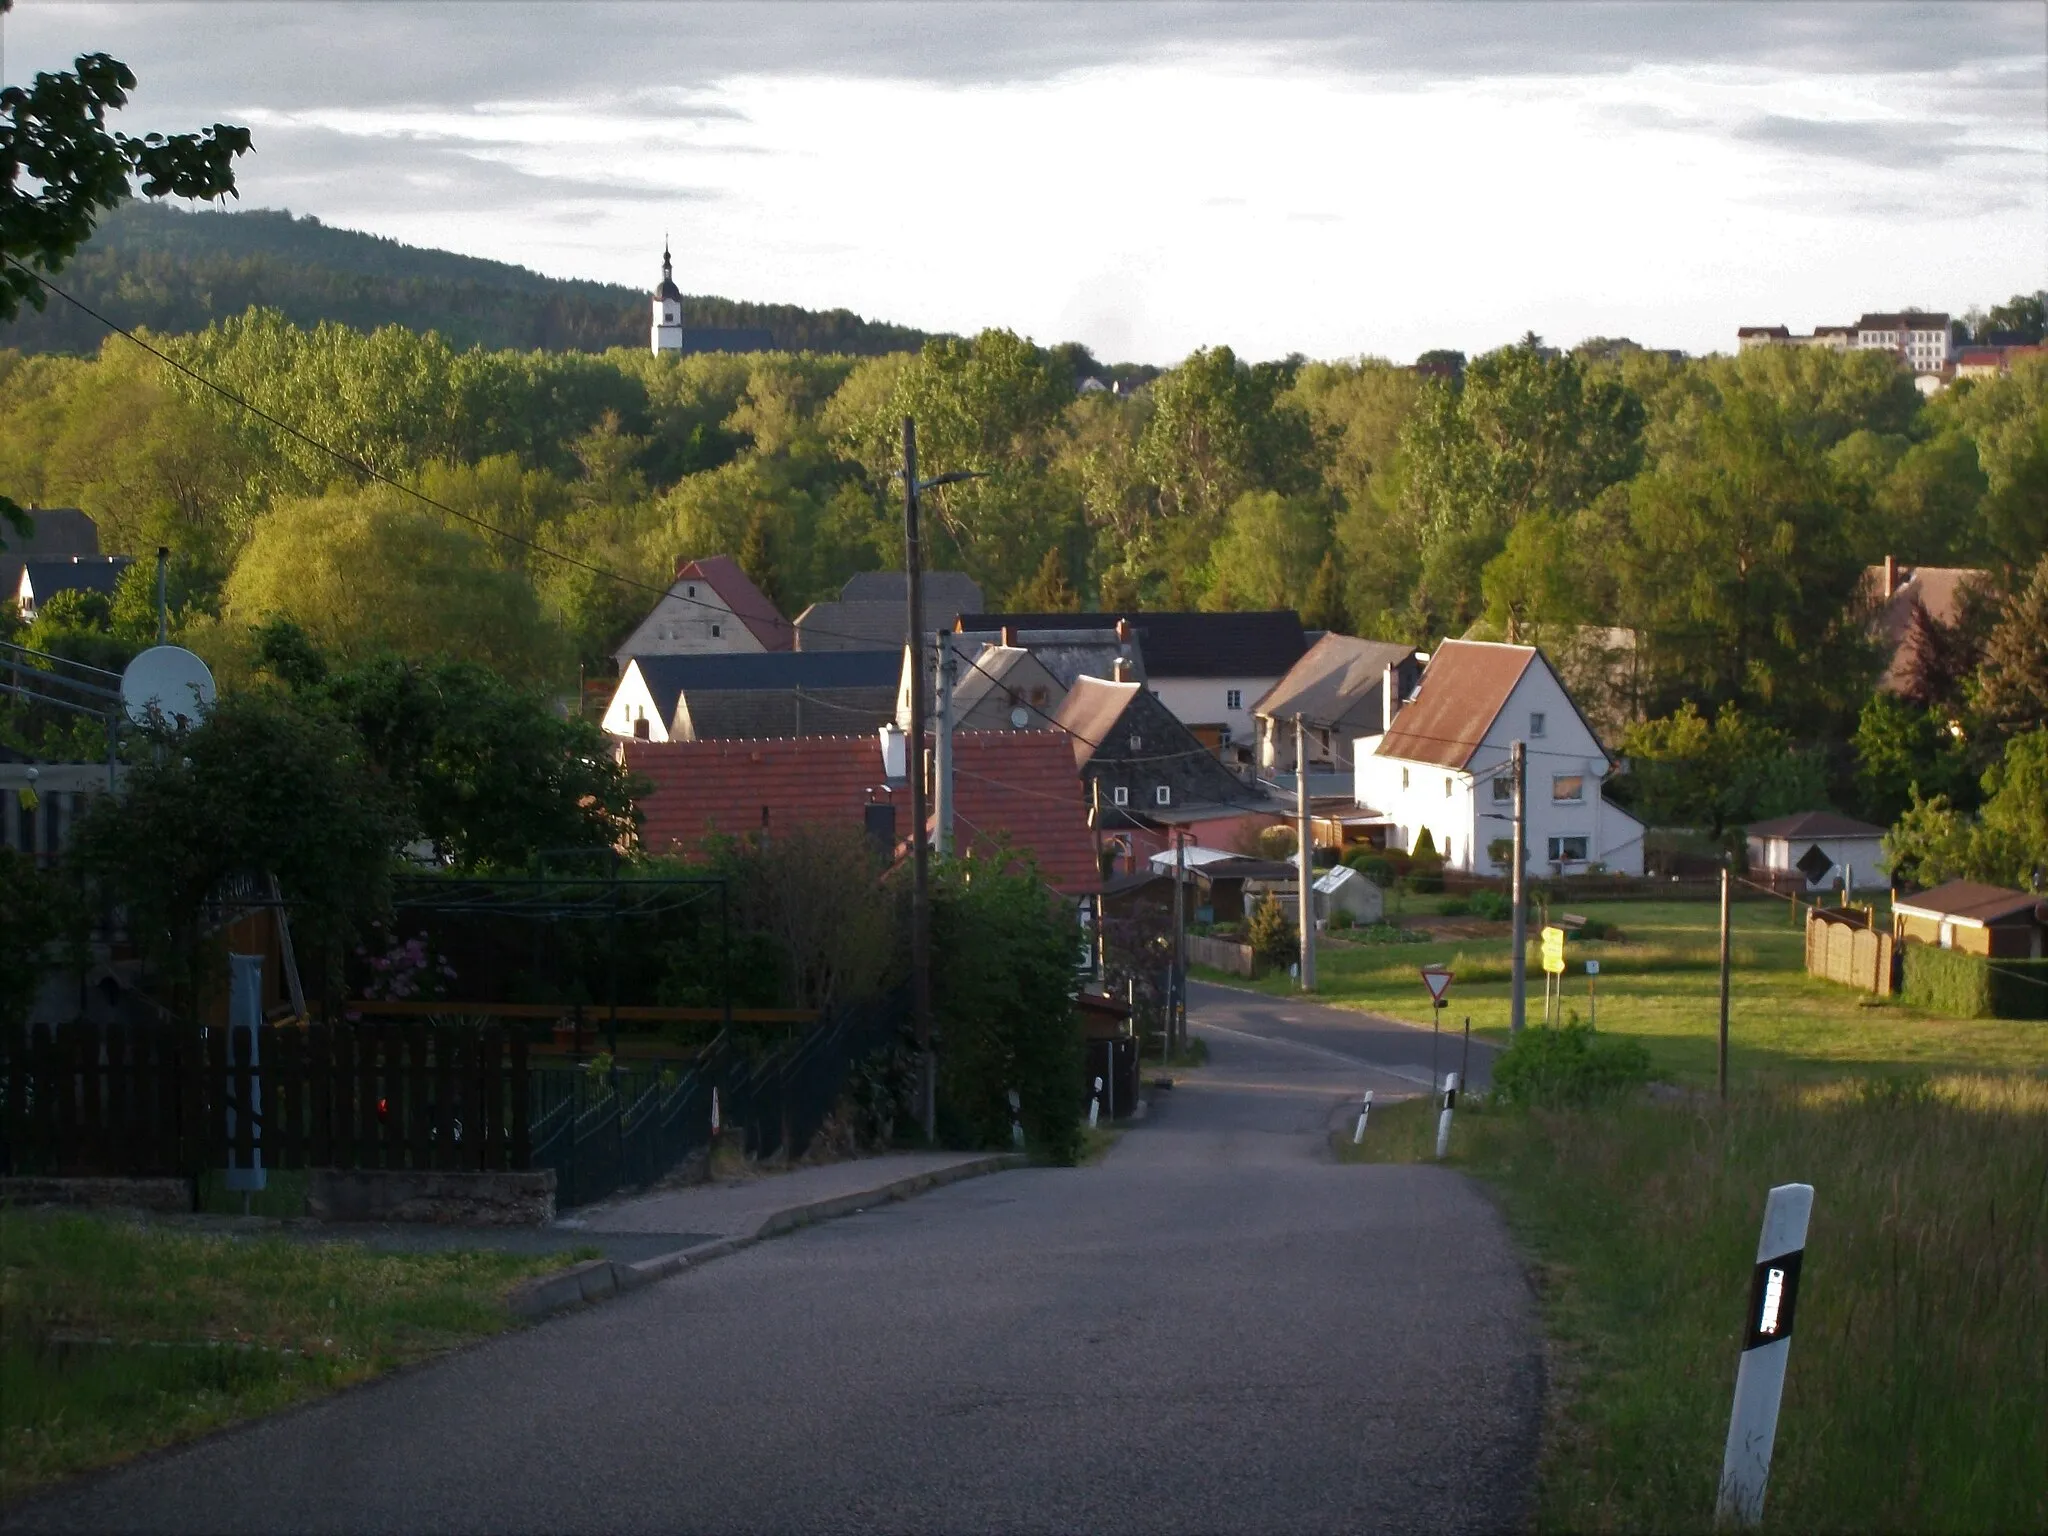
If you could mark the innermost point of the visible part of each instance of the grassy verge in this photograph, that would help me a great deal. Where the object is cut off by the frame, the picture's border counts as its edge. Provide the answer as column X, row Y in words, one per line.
column 1918, row 1375
column 1659, row 984
column 116, row 1338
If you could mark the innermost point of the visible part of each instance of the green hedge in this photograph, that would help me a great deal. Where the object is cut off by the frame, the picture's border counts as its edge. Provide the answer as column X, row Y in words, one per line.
column 1960, row 986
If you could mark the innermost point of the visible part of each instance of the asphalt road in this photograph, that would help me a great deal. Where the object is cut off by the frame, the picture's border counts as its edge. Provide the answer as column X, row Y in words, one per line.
column 1382, row 1045
column 1216, row 1328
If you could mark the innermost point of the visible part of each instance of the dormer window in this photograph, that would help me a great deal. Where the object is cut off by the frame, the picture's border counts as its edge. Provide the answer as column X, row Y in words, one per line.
column 1162, row 796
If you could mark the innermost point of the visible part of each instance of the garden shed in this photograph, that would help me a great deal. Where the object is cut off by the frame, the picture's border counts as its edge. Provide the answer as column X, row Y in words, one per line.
column 1344, row 889
column 1986, row 920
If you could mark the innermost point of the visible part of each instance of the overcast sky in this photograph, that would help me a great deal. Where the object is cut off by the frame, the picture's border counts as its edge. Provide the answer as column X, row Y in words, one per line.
column 1329, row 179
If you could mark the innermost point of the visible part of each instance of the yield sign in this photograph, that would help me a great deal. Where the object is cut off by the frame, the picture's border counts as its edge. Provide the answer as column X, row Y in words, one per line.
column 1438, row 980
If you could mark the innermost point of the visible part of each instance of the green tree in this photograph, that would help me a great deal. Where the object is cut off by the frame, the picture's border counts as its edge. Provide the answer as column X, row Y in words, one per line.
column 1324, row 606
column 1048, row 591
column 2005, row 844
column 1718, row 775
column 1271, row 934
column 1269, row 552
column 1904, row 751
column 1536, row 587
column 2011, row 688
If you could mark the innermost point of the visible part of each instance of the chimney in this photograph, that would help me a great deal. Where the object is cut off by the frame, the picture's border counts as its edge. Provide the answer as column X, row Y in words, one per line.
column 1009, row 635
column 1390, row 702
column 1123, row 631
column 1891, row 576
column 894, row 759
column 879, row 821
column 1123, row 670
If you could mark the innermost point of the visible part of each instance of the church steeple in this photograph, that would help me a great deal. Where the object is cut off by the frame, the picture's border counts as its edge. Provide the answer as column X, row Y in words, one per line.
column 666, row 334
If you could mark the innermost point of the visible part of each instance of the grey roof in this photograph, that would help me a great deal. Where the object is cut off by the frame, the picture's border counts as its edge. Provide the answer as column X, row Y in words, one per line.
column 1339, row 679
column 669, row 678
column 1067, row 653
column 1814, row 824
column 1181, row 644
column 942, row 589
column 713, row 714
column 51, row 574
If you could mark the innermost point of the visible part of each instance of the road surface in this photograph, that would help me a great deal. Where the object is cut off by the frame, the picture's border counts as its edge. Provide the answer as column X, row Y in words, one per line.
column 1402, row 1051
column 1216, row 1328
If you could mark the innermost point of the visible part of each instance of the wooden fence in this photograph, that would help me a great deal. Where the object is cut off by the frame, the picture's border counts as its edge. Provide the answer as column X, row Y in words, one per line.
column 82, row 1099
column 1220, row 955
column 1842, row 947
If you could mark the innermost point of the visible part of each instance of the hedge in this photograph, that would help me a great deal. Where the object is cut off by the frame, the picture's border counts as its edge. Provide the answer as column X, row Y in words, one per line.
column 1962, row 986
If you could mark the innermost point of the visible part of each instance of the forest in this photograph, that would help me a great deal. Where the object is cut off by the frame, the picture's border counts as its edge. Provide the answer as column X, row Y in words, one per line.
column 1688, row 536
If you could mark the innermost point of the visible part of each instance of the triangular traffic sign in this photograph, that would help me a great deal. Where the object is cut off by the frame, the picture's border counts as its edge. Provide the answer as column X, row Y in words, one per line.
column 1438, row 980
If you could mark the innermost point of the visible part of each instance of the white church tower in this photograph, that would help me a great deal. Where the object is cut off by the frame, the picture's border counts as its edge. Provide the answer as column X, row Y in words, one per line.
column 667, row 331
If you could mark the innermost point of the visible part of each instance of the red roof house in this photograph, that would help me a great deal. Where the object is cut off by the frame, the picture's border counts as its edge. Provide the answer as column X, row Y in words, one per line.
column 1019, row 787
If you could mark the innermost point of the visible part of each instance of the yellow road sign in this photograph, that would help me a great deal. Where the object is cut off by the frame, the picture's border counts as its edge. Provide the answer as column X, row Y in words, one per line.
column 1553, row 950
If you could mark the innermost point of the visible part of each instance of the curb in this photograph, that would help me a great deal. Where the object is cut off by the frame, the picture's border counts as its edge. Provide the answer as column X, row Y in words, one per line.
column 596, row 1280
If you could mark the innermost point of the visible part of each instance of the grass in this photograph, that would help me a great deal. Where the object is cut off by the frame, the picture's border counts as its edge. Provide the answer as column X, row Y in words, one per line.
column 116, row 1337
column 1660, row 984
column 1918, row 1374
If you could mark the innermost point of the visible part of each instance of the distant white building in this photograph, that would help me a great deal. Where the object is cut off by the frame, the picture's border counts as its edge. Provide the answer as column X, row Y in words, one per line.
column 711, row 608
column 1442, row 764
column 666, row 334
column 1920, row 341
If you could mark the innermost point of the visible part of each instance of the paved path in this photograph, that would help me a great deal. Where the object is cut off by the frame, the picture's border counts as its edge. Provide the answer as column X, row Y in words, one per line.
column 1216, row 1328
column 1402, row 1051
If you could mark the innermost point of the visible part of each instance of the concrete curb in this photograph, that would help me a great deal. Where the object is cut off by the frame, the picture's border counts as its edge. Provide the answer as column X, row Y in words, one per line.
column 596, row 1280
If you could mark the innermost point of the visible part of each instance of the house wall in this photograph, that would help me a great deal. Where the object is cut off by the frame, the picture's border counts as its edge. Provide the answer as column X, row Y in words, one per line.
column 1206, row 701
column 1466, row 813
column 2020, row 939
column 632, row 702
column 1858, row 854
column 681, row 625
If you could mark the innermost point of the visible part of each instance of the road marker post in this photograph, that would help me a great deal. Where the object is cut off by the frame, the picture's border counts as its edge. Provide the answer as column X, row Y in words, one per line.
column 1016, row 1119
column 1766, row 1343
column 1364, row 1114
column 1443, row 1120
column 1592, row 995
column 1095, row 1105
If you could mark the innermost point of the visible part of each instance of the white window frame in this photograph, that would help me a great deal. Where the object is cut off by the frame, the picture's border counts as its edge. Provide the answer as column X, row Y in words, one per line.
column 1162, row 795
column 1560, row 851
column 1233, row 698
column 1120, row 795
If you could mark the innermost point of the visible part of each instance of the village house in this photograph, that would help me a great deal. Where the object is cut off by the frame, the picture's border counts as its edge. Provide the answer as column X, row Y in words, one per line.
column 1339, row 688
column 787, row 693
column 712, row 609
column 1909, row 598
column 1441, row 764
column 1817, row 850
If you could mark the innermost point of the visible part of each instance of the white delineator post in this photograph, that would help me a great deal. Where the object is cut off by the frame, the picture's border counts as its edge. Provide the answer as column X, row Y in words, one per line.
column 1767, row 1341
column 1443, row 1121
column 1095, row 1105
column 1364, row 1114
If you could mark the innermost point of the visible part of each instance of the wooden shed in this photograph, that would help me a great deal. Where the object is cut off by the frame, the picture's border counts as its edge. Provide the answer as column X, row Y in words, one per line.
column 1986, row 920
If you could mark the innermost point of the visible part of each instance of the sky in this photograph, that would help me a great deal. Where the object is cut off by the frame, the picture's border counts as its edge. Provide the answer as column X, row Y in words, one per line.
column 1334, row 180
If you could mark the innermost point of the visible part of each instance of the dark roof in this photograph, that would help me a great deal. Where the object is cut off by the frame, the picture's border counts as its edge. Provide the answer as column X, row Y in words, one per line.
column 1814, row 824
column 1464, row 688
column 713, row 714
column 749, row 604
column 1967, row 898
column 1182, row 644
column 669, row 677
column 51, row 574
column 1090, row 712
column 1762, row 330
column 1338, row 675
column 873, row 610
column 954, row 589
column 1908, row 321
column 1067, row 654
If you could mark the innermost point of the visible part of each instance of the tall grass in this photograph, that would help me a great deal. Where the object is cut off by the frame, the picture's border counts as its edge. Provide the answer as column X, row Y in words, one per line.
column 1917, row 1397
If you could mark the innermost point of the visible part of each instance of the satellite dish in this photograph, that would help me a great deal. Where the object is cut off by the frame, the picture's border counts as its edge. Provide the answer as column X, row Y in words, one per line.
column 170, row 680
column 1019, row 718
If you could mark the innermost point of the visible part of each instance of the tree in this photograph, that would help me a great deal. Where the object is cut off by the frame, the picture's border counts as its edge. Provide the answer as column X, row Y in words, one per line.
column 2011, row 688
column 1324, row 606
column 2006, row 844
column 1905, row 751
column 1270, row 932
column 1269, row 552
column 1717, row 775
column 1534, row 588
column 2023, row 313
column 1048, row 591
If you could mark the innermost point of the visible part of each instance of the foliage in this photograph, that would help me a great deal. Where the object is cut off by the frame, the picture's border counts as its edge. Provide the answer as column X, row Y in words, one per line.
column 1566, row 1066
column 1376, row 868
column 1964, row 986
column 812, row 898
column 1902, row 749
column 1277, row 843
column 1003, row 1008
column 2005, row 844
column 1048, row 591
column 1717, row 776
column 33, row 909
column 1270, row 930
column 2011, row 691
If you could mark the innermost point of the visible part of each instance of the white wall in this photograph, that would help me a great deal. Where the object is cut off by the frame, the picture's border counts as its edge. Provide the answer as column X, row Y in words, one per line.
column 631, row 701
column 1418, row 795
column 682, row 624
column 1206, row 701
column 1860, row 853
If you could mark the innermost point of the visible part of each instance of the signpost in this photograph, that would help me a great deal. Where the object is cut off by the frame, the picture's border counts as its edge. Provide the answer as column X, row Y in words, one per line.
column 1553, row 966
column 1438, row 980
column 1592, row 997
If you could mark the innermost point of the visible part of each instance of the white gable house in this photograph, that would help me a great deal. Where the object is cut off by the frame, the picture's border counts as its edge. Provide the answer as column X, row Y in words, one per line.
column 1442, row 762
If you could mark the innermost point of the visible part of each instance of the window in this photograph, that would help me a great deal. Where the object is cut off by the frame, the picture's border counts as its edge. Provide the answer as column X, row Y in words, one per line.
column 1137, row 742
column 1503, row 787
column 1222, row 735
column 640, row 729
column 690, row 591
column 1535, row 722
column 1568, row 788
column 714, row 631
column 1233, row 698
column 1567, row 850
column 1447, row 786
column 1162, row 796
column 1120, row 796
column 1404, row 778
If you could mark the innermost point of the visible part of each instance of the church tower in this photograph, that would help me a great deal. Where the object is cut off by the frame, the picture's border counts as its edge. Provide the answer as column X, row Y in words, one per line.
column 667, row 332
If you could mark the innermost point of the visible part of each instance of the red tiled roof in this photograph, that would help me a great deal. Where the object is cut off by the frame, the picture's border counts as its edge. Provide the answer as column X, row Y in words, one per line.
column 749, row 604
column 1016, row 785
column 1465, row 685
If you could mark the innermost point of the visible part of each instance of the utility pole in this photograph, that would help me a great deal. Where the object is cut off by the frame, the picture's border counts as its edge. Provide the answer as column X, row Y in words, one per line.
column 942, row 748
column 920, row 862
column 1518, row 988
column 1304, row 858
column 1721, row 1073
column 1176, row 1014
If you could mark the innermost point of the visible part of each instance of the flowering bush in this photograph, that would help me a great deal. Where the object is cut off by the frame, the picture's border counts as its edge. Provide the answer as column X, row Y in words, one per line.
column 405, row 970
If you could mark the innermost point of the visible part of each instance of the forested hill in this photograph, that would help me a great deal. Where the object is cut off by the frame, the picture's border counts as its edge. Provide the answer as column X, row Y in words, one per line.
column 178, row 272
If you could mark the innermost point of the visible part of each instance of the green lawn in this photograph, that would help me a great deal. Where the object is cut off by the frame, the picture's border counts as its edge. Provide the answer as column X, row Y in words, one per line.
column 1917, row 1373
column 116, row 1337
column 1659, row 984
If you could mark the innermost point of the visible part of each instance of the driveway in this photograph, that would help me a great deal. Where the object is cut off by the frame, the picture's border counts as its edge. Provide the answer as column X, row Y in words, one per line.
column 1215, row 1328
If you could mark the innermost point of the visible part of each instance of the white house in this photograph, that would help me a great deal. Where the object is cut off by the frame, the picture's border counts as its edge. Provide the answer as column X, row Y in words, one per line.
column 712, row 609
column 1819, row 845
column 1442, row 763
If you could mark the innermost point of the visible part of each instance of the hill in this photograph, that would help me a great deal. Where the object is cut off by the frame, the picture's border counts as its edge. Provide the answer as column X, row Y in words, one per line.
column 177, row 272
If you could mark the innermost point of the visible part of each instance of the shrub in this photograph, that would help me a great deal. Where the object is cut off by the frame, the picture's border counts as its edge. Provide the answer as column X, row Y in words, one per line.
column 1390, row 933
column 1271, row 934
column 1424, row 847
column 1276, row 843
column 1342, row 919
column 1566, row 1066
column 1456, row 906
column 1425, row 879
column 1962, row 986
column 1494, row 906
column 1375, row 867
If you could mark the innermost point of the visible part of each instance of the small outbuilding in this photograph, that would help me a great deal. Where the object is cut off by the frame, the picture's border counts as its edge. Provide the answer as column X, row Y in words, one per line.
column 1819, row 850
column 1986, row 920
column 1344, row 889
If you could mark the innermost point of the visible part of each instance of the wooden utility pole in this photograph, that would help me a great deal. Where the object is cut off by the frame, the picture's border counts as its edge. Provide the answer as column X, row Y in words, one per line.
column 1304, row 859
column 920, row 863
column 1721, row 1074
column 1518, row 990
